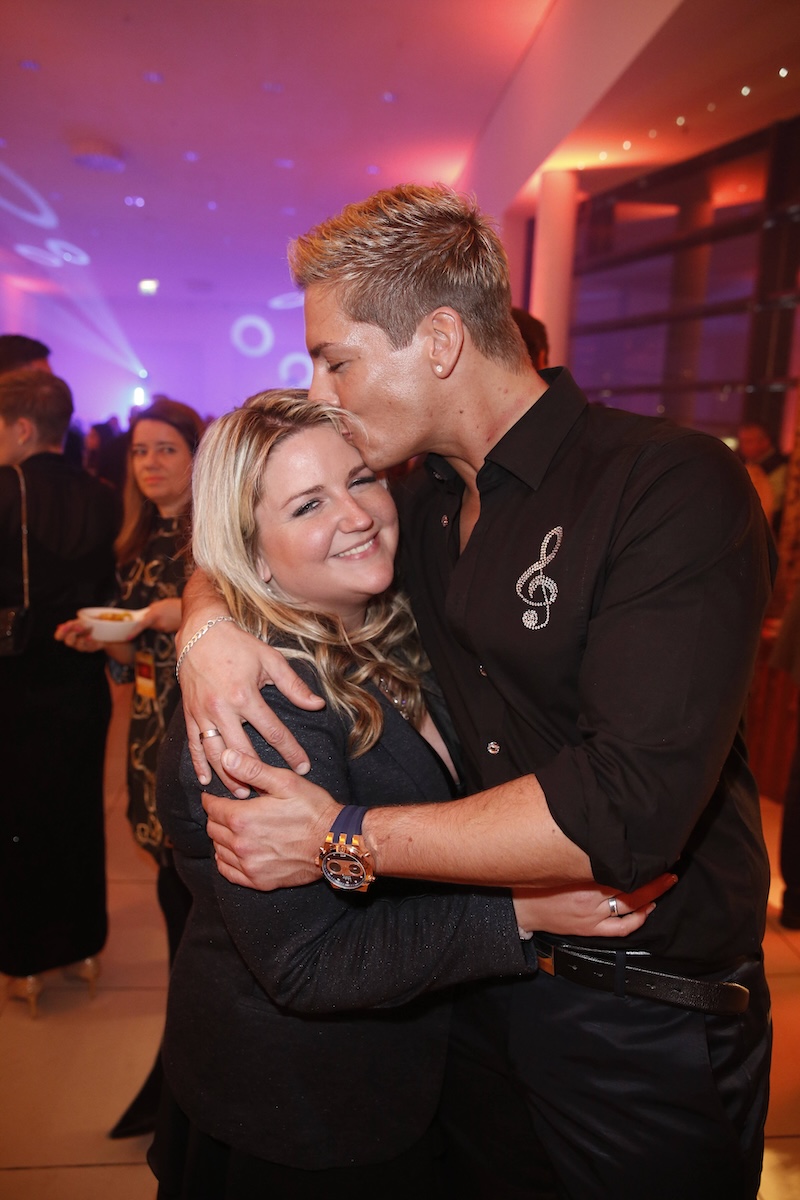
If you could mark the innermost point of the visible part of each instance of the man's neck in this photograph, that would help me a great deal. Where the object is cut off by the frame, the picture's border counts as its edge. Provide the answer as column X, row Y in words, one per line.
column 487, row 415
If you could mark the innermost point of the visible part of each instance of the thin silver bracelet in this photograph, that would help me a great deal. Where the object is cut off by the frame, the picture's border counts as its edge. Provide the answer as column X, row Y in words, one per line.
column 196, row 638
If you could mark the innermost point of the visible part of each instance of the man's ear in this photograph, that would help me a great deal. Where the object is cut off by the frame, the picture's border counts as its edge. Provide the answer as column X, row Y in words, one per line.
column 26, row 431
column 445, row 331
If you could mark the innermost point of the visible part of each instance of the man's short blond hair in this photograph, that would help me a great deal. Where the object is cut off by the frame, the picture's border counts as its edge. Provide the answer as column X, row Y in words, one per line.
column 404, row 252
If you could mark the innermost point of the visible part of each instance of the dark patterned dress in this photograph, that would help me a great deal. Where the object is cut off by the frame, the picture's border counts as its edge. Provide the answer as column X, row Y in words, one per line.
column 159, row 573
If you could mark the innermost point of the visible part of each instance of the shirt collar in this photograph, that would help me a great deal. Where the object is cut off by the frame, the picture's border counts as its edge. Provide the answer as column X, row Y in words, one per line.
column 531, row 444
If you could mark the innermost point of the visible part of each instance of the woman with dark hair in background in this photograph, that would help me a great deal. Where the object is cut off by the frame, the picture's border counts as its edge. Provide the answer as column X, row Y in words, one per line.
column 152, row 556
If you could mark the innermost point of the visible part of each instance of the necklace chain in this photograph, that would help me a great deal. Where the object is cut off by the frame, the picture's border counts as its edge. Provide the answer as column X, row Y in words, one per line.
column 398, row 701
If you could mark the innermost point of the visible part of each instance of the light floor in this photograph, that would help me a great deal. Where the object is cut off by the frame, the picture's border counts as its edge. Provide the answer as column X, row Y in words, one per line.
column 67, row 1076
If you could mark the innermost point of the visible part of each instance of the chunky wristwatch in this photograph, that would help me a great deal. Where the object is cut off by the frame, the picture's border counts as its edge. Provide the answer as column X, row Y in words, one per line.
column 343, row 859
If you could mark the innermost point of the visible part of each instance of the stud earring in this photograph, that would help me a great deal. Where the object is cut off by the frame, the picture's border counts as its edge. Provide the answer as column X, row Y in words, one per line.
column 439, row 368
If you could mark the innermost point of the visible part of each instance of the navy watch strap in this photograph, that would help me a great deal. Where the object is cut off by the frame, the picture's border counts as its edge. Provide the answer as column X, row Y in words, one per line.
column 349, row 820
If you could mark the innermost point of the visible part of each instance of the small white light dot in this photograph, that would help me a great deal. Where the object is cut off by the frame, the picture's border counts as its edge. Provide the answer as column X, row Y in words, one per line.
column 783, row 72
column 134, row 201
column 603, row 155
column 680, row 120
column 581, row 166
column 711, row 107
column 143, row 374
column 653, row 133
column 389, row 97
column 626, row 145
column 745, row 91
column 148, row 287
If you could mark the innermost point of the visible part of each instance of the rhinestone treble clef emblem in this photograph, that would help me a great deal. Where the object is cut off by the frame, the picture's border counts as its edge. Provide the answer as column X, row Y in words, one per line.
column 535, row 588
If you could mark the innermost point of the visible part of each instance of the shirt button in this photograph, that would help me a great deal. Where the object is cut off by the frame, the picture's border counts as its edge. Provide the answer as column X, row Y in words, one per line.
column 445, row 521
column 493, row 747
column 482, row 669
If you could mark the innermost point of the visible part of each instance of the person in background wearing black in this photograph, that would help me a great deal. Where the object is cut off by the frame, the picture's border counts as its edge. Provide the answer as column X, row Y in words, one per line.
column 534, row 335
column 589, row 586
column 152, row 554
column 54, row 705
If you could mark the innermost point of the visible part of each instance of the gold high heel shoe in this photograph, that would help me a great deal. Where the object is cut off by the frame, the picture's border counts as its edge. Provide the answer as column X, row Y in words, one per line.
column 25, row 987
column 88, row 969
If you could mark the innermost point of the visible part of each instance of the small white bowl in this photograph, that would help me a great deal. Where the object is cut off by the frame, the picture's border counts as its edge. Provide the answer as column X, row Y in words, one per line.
column 112, row 624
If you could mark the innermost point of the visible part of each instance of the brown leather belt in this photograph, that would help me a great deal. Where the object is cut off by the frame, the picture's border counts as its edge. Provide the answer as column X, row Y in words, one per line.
column 624, row 973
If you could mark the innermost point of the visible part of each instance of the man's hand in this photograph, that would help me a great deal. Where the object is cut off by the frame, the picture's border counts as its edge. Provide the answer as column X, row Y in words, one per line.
column 272, row 840
column 221, row 679
column 584, row 911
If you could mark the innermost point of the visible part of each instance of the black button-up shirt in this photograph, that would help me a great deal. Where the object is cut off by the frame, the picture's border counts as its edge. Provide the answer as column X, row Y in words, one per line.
column 599, row 631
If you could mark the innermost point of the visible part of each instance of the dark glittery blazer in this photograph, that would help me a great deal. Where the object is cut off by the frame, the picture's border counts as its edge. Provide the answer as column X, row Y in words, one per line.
column 308, row 1026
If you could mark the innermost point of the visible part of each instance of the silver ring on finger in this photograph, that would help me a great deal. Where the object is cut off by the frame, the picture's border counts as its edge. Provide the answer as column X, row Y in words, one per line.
column 209, row 733
column 613, row 905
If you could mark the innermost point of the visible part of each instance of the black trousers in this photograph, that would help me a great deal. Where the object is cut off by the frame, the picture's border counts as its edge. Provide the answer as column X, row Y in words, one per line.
column 617, row 1098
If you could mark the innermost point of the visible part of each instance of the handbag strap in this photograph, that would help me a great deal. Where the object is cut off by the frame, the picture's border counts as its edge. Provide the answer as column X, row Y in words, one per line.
column 24, row 507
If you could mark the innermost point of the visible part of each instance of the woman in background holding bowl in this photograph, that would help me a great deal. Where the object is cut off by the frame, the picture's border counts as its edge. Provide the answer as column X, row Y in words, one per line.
column 152, row 570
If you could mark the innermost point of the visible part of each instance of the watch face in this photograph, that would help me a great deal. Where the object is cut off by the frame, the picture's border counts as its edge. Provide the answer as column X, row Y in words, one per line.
column 343, row 870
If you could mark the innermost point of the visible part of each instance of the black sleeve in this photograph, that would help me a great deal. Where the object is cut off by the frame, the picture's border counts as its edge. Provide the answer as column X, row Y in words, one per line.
column 667, row 664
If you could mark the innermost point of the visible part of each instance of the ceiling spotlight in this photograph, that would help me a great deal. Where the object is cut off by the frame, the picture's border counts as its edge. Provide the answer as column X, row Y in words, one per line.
column 134, row 201
column 626, row 145
column 388, row 97
column 142, row 373
column 152, row 77
column 783, row 72
column 653, row 133
column 711, row 107
column 603, row 155
column 745, row 91
column 148, row 287
column 212, row 206
column 680, row 120
column 373, row 169
column 191, row 156
column 96, row 154
column 285, row 164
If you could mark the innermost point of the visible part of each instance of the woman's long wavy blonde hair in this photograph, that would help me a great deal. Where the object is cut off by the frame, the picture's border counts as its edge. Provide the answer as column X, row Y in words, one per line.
column 227, row 489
